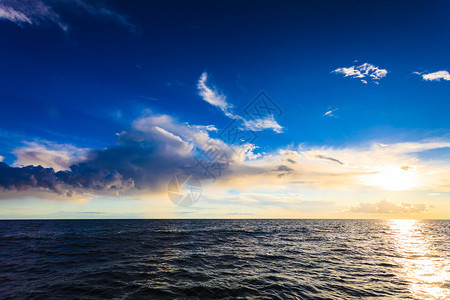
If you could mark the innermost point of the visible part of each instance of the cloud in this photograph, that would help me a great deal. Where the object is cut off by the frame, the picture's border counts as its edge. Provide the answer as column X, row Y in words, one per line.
column 27, row 177
column 80, row 177
column 385, row 207
column 330, row 159
column 156, row 147
column 330, row 113
column 436, row 76
column 1, row 158
column 176, row 82
column 49, row 155
column 82, row 212
column 373, row 166
column 12, row 15
column 364, row 72
column 31, row 12
column 146, row 156
column 213, row 97
column 97, row 9
column 273, row 204
column 265, row 123
column 207, row 127
column 39, row 12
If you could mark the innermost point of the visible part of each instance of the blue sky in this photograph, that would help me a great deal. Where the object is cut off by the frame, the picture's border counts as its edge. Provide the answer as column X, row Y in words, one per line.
column 81, row 79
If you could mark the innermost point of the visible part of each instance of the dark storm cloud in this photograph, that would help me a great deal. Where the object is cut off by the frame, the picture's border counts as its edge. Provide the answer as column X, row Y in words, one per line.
column 146, row 157
column 86, row 176
column 27, row 177
column 80, row 176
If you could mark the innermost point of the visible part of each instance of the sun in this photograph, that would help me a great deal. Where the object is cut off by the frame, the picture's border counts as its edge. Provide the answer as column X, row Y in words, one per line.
column 393, row 178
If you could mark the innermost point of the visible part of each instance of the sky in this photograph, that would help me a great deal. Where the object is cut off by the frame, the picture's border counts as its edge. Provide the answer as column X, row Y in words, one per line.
column 276, row 109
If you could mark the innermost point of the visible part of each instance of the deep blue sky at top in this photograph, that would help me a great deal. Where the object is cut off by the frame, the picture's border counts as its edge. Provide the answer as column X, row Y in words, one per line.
column 85, row 85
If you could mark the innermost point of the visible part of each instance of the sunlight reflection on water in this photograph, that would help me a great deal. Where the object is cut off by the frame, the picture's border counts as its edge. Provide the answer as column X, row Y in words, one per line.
column 426, row 272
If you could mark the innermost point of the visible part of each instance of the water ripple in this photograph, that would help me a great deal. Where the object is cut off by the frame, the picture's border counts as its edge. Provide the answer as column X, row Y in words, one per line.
column 264, row 259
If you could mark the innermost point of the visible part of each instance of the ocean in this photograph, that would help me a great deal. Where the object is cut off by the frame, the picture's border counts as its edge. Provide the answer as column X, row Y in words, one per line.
column 227, row 259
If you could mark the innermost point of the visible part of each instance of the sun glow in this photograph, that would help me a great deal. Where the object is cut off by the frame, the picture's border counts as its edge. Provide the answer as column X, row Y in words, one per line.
column 393, row 178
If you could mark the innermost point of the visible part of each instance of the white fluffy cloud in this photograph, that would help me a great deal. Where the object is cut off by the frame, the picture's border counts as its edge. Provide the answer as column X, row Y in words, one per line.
column 436, row 76
column 265, row 123
column 49, row 155
column 38, row 12
column 364, row 72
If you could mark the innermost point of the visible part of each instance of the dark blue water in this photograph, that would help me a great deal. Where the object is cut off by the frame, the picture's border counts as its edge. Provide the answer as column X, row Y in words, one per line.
column 198, row 259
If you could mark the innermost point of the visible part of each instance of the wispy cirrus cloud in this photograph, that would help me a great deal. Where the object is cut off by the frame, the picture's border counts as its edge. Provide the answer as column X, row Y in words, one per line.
column 364, row 72
column 215, row 98
column 212, row 96
column 30, row 12
column 39, row 12
column 435, row 76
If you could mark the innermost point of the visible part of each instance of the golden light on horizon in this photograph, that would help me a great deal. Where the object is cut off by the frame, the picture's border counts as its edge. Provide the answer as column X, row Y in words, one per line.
column 427, row 273
column 393, row 178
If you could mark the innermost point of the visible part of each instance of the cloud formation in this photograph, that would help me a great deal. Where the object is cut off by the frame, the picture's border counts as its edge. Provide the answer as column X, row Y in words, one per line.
column 49, row 155
column 268, row 122
column 81, row 177
column 39, row 12
column 364, row 72
column 376, row 166
column 385, row 207
column 156, row 147
column 436, row 76
column 146, row 156
column 213, row 97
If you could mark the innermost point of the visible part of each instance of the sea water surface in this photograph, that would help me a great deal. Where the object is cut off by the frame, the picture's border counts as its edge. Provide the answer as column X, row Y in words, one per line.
column 201, row 259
